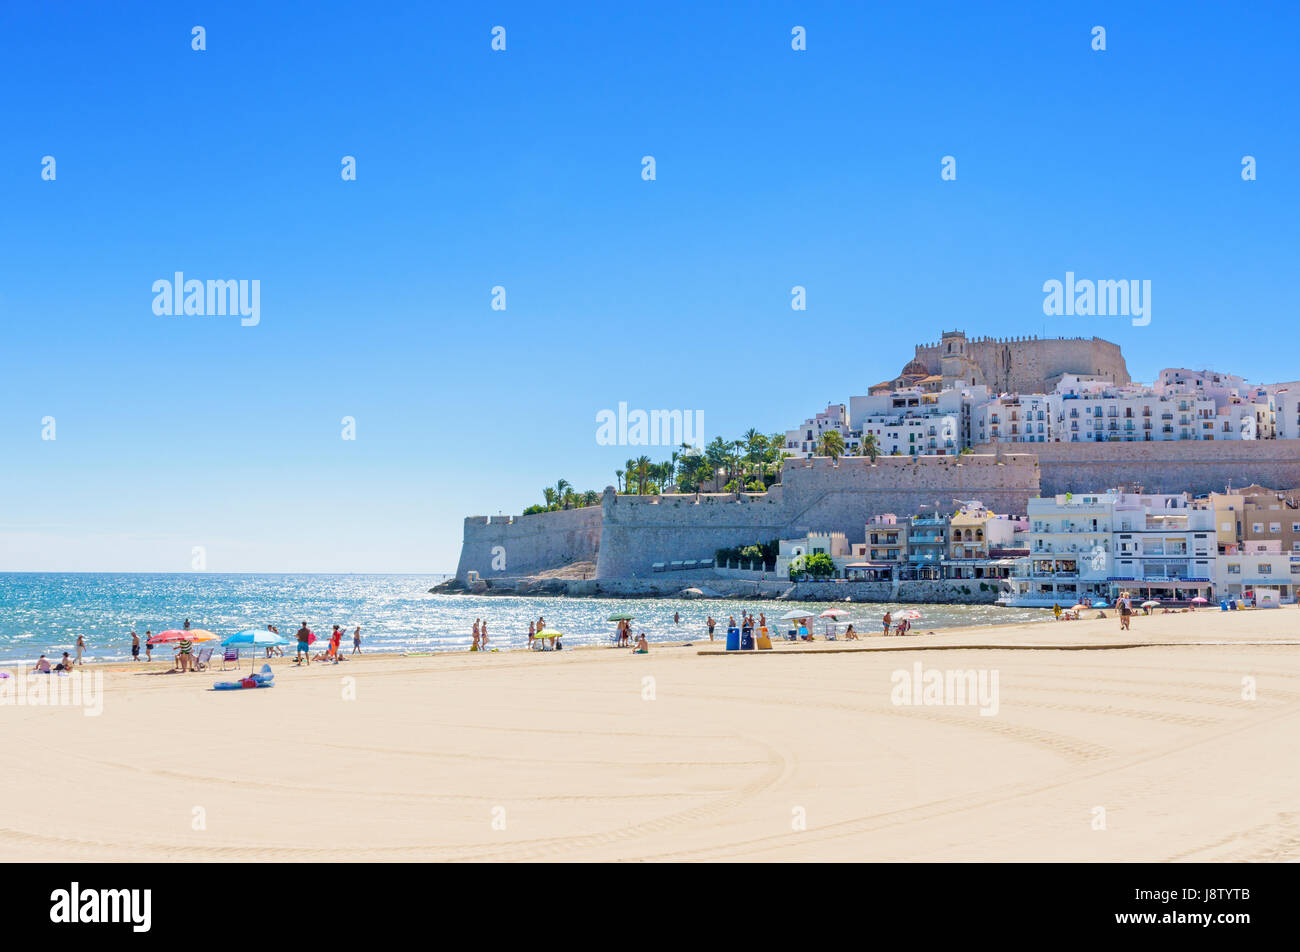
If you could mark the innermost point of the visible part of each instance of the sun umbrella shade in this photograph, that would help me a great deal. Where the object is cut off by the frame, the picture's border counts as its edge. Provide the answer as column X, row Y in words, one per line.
column 1200, row 599
column 621, row 617
column 1079, row 607
column 835, row 613
column 1151, row 604
column 910, row 613
column 178, row 634
column 548, row 633
column 791, row 616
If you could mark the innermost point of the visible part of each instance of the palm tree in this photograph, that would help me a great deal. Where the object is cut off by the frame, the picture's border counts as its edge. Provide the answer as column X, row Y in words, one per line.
column 642, row 473
column 549, row 495
column 630, row 466
column 562, row 489
column 831, row 444
column 869, row 446
column 618, row 479
column 590, row 498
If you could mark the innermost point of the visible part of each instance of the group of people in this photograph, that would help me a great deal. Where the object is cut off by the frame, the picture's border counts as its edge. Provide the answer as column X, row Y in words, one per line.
column 330, row 653
column 640, row 646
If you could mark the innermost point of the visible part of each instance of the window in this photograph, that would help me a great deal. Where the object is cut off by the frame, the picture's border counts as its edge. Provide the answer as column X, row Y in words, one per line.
column 1234, row 568
column 1265, row 568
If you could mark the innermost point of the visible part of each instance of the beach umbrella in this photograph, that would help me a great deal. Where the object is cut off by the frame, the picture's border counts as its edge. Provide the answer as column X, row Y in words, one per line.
column 620, row 616
column 1151, row 603
column 1101, row 604
column 911, row 614
column 256, row 638
column 1200, row 600
column 835, row 613
column 1079, row 607
column 178, row 634
column 791, row 616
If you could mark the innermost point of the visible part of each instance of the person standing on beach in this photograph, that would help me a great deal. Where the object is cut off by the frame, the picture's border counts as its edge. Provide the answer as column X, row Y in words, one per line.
column 356, row 640
column 135, row 647
column 304, row 649
column 1125, row 613
column 483, row 638
column 81, row 646
column 711, row 623
column 532, row 633
column 888, row 619
column 474, row 646
column 762, row 620
column 148, row 646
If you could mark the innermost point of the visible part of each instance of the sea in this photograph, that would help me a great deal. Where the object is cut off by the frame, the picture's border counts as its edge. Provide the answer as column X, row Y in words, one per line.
column 42, row 613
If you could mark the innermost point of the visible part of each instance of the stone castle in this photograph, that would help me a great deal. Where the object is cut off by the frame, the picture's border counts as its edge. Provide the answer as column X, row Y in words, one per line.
column 1009, row 364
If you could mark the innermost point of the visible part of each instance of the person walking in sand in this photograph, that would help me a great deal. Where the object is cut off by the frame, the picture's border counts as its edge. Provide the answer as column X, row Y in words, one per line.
column 532, row 634
column 304, row 648
column 148, row 646
column 1125, row 613
column 356, row 640
column 135, row 647
column 274, row 650
column 711, row 623
column 81, row 646
column 483, row 636
column 474, row 631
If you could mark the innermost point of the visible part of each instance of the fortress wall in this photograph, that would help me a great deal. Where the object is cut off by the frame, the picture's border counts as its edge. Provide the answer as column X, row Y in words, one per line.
column 1193, row 466
column 841, row 498
column 1021, row 365
column 641, row 530
column 531, row 544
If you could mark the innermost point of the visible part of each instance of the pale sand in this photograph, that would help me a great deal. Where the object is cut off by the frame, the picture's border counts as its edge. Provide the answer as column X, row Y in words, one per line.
column 717, row 766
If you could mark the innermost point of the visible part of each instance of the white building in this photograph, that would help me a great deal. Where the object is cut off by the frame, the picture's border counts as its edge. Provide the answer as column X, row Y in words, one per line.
column 1240, row 570
column 803, row 441
column 1162, row 547
column 1095, row 545
column 916, row 423
column 1069, row 551
column 1013, row 418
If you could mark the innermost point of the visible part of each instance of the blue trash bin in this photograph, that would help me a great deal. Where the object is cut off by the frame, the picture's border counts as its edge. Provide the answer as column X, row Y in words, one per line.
column 747, row 640
column 1223, row 606
column 733, row 639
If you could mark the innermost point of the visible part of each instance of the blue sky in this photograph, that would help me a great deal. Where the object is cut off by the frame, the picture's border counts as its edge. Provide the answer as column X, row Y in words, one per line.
column 522, row 169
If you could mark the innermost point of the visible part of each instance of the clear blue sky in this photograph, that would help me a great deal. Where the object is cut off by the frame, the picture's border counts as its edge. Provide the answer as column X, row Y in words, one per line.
column 522, row 169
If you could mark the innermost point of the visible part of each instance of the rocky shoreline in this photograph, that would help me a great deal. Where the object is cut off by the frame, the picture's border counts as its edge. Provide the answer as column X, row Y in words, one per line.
column 949, row 592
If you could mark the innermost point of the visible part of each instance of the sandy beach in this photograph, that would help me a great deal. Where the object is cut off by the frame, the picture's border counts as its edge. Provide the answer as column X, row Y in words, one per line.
column 1154, row 753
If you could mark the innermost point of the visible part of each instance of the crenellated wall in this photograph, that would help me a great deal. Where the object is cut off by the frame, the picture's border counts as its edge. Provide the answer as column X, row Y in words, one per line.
column 529, row 544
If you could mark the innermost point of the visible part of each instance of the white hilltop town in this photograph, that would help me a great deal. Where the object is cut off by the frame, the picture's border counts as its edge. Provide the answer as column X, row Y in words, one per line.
column 1024, row 471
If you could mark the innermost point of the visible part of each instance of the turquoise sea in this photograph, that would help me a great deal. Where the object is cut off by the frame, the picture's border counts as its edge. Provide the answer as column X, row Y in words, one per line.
column 44, row 612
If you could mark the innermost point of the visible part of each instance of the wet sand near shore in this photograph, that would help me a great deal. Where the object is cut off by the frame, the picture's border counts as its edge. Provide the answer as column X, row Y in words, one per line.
column 1185, row 751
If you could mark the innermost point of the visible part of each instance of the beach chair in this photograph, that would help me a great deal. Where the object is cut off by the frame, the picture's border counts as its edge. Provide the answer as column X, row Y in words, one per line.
column 229, row 655
column 202, row 658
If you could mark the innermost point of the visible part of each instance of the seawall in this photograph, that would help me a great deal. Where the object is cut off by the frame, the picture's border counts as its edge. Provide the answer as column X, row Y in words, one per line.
column 510, row 546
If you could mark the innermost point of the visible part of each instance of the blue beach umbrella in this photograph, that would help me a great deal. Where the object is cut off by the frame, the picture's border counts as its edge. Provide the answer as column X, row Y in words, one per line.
column 256, row 638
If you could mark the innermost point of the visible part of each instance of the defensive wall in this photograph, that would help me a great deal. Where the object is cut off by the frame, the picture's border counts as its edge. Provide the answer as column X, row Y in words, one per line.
column 1195, row 466
column 507, row 546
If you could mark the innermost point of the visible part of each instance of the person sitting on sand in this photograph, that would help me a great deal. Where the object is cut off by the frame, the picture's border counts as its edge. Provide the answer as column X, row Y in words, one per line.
column 1101, row 615
column 65, row 664
column 804, row 633
column 641, row 646
column 42, row 666
column 850, row 634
